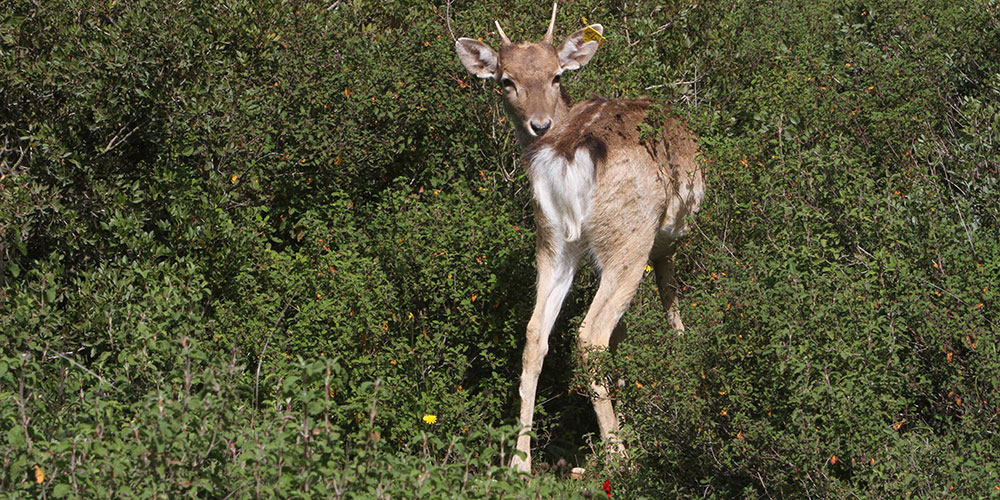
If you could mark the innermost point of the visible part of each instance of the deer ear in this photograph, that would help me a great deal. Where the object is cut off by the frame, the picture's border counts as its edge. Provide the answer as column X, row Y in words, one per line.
column 580, row 47
column 477, row 57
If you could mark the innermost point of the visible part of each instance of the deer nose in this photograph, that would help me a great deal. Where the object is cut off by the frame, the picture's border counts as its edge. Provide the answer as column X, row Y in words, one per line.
column 540, row 130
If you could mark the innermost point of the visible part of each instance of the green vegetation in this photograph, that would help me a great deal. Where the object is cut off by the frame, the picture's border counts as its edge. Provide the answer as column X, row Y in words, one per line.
column 246, row 246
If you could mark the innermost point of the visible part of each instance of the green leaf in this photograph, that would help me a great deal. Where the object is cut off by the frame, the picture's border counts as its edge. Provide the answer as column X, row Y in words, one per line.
column 15, row 437
column 61, row 490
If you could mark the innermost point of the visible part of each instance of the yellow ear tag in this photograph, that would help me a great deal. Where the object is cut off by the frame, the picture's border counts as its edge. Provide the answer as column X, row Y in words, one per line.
column 592, row 35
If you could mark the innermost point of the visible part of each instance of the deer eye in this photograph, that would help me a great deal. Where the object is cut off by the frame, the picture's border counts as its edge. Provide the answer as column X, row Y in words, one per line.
column 555, row 81
column 507, row 83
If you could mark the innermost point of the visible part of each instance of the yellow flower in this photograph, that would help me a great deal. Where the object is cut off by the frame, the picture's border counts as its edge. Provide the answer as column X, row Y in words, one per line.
column 430, row 419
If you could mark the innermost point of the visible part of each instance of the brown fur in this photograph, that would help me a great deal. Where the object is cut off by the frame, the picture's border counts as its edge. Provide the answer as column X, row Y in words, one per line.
column 602, row 125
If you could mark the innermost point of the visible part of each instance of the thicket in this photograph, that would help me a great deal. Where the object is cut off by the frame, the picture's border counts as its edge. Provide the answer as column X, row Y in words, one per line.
column 261, row 249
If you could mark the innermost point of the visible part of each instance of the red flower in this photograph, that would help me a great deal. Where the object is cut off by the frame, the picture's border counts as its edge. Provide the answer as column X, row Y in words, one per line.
column 607, row 487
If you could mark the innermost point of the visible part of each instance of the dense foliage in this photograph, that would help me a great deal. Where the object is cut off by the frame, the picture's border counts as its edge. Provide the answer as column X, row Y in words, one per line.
column 263, row 249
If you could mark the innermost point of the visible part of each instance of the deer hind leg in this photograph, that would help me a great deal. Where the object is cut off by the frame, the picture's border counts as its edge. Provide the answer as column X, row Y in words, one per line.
column 555, row 276
column 619, row 281
column 666, row 284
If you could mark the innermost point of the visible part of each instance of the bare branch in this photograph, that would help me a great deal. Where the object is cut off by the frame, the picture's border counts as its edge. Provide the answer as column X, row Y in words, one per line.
column 447, row 18
column 6, row 168
column 116, row 141
column 84, row 368
column 260, row 359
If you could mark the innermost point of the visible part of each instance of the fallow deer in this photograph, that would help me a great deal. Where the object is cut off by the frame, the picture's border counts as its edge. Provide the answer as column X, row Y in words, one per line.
column 599, row 190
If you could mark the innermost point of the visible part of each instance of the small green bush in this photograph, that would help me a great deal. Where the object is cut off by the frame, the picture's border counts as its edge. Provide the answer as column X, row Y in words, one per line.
column 186, row 438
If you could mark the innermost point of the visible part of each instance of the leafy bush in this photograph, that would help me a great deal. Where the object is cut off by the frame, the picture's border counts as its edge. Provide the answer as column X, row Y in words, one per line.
column 186, row 438
column 202, row 206
column 840, row 293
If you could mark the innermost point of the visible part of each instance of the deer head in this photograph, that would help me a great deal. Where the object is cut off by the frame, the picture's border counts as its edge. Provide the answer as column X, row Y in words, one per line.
column 529, row 73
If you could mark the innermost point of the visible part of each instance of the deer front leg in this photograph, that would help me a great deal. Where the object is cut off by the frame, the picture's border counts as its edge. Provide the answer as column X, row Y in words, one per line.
column 619, row 282
column 555, row 276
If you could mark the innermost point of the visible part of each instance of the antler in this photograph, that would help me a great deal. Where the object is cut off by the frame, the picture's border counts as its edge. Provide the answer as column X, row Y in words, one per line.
column 552, row 25
column 503, row 36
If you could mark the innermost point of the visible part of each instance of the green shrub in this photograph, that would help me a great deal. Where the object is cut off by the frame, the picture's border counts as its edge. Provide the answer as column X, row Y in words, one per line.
column 841, row 288
column 201, row 206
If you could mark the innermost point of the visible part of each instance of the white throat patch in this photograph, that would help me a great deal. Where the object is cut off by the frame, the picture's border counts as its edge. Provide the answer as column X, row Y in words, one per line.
column 563, row 188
